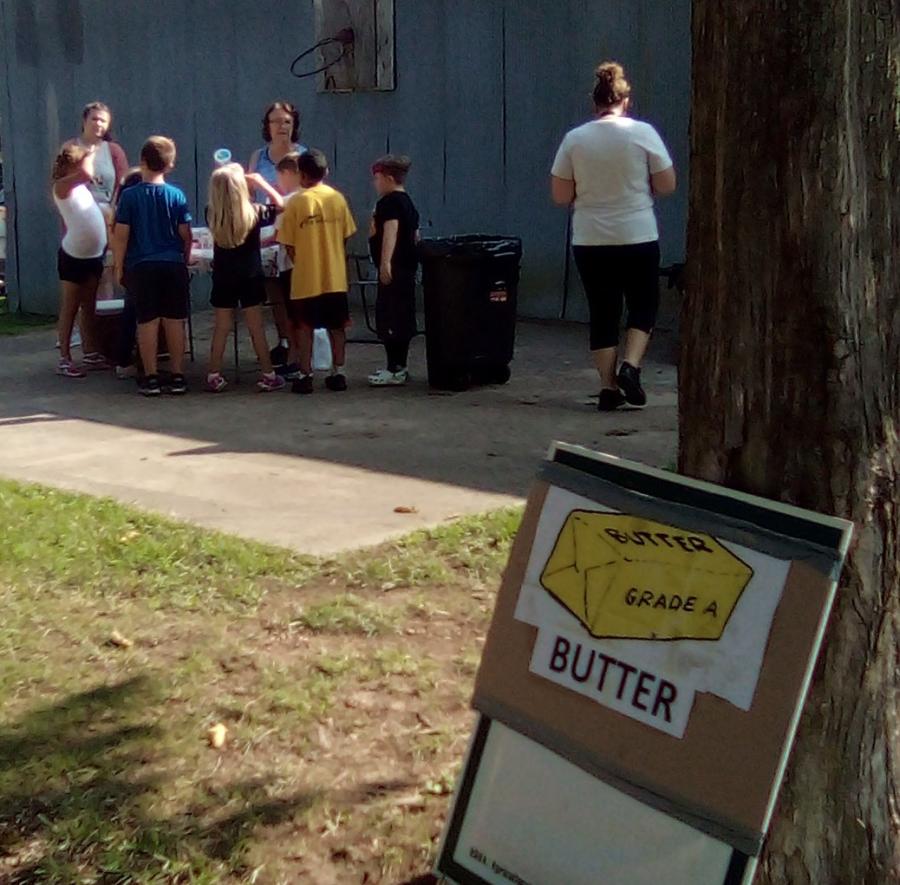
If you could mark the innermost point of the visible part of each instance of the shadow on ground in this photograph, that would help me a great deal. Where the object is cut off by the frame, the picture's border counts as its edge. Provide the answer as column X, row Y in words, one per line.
column 488, row 439
column 75, row 786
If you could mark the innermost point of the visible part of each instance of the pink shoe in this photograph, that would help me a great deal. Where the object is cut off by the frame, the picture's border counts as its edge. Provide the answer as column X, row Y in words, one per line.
column 68, row 369
column 270, row 382
column 215, row 383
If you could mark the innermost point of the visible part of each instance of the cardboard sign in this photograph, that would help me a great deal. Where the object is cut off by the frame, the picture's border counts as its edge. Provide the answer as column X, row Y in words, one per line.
column 652, row 643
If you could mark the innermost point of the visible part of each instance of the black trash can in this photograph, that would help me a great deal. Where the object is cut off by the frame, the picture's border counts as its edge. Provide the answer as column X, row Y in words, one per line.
column 470, row 285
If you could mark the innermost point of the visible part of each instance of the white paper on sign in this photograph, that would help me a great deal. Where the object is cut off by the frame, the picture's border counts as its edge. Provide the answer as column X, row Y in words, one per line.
column 727, row 667
column 585, row 666
column 535, row 818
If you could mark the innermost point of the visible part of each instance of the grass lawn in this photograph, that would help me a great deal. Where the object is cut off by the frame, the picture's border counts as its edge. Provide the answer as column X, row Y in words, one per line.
column 17, row 323
column 343, row 684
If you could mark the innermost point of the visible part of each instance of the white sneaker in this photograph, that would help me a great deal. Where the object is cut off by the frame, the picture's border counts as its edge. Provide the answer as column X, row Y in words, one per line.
column 386, row 378
column 74, row 341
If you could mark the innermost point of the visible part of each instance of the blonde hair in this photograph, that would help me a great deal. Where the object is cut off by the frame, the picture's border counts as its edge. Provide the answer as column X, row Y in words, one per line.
column 231, row 214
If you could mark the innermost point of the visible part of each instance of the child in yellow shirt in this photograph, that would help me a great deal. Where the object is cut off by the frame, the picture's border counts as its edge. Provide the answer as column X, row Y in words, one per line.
column 314, row 229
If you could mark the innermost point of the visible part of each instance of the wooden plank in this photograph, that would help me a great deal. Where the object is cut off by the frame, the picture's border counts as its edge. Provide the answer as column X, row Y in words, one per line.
column 366, row 65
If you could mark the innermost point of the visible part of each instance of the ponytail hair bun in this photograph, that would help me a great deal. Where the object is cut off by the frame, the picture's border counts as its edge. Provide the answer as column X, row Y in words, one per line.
column 611, row 87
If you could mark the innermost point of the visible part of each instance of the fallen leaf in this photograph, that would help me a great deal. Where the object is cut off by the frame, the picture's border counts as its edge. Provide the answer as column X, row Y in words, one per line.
column 119, row 641
column 403, row 508
column 216, row 736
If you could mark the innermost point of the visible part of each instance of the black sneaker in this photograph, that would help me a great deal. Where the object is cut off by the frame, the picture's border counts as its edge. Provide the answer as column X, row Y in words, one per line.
column 336, row 382
column 610, row 400
column 149, row 386
column 630, row 383
column 288, row 370
column 303, row 384
column 177, row 385
column 278, row 355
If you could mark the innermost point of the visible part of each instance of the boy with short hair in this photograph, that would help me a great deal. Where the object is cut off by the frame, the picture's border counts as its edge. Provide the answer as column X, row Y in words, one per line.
column 393, row 247
column 152, row 247
column 314, row 229
column 288, row 179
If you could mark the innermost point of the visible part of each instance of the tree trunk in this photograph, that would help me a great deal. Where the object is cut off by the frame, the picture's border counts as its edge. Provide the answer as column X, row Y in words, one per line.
column 789, row 372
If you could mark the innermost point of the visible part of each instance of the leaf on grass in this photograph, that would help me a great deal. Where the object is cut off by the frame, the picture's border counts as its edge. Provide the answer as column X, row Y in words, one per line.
column 119, row 641
column 216, row 736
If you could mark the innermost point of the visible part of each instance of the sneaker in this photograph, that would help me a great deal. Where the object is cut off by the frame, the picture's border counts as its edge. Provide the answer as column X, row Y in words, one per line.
column 215, row 383
column 289, row 371
column 177, row 385
column 74, row 341
column 387, row 378
column 303, row 384
column 149, row 386
column 610, row 400
column 629, row 379
column 95, row 362
column 123, row 373
column 336, row 382
column 68, row 369
column 270, row 382
column 279, row 355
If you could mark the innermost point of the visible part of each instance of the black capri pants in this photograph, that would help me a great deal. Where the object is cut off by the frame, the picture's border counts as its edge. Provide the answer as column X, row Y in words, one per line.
column 611, row 273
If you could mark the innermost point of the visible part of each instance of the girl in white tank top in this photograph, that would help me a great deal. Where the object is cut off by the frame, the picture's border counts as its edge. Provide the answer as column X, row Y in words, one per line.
column 81, row 255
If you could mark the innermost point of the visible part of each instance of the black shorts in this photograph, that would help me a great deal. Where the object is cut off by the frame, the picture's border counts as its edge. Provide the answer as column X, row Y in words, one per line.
column 329, row 311
column 160, row 290
column 395, row 307
column 611, row 274
column 78, row 270
column 229, row 292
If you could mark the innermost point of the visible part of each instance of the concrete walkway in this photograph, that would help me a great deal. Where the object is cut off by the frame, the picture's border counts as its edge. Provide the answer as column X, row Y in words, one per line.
column 320, row 473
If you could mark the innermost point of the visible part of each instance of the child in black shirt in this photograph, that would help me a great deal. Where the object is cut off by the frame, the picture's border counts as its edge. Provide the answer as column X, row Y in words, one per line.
column 235, row 223
column 393, row 240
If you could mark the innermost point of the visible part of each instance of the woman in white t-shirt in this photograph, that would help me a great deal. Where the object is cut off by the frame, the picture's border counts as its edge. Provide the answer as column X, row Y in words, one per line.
column 609, row 170
column 80, row 260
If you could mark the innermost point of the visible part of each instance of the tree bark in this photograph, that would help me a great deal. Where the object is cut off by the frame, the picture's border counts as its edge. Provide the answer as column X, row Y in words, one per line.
column 790, row 364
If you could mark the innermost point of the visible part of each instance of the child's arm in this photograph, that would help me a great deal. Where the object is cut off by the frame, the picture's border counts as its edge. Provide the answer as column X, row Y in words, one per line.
column 119, row 247
column 388, row 245
column 62, row 187
column 260, row 184
column 184, row 231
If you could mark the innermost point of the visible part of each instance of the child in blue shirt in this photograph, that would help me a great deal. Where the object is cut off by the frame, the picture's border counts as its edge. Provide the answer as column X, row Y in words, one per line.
column 152, row 247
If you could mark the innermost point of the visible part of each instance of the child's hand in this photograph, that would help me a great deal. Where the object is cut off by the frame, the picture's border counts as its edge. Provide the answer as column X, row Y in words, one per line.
column 385, row 276
column 254, row 180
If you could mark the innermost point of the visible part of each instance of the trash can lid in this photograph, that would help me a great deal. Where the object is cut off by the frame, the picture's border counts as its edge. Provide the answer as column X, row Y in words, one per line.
column 470, row 246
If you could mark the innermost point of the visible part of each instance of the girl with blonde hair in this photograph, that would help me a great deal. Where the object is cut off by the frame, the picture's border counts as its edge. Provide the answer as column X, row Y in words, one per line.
column 235, row 222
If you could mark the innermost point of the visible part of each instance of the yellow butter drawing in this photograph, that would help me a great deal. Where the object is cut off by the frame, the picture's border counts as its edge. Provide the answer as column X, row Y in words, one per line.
column 625, row 577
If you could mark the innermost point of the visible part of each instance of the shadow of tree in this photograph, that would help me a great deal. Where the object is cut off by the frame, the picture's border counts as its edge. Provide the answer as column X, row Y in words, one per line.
column 75, row 786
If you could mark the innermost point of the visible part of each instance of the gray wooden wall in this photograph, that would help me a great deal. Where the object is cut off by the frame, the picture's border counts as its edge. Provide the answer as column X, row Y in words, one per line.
column 485, row 90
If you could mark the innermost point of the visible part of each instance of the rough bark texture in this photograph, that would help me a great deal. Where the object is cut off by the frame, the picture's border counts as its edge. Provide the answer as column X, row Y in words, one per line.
column 789, row 373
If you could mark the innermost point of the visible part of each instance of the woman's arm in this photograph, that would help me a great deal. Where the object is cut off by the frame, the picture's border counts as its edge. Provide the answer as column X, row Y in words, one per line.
column 119, row 247
column 119, row 160
column 254, row 159
column 663, row 183
column 562, row 190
